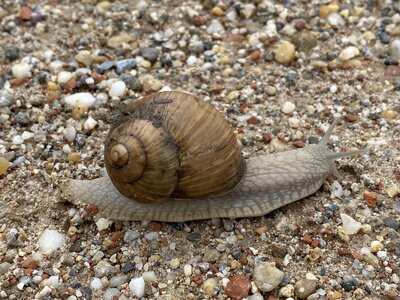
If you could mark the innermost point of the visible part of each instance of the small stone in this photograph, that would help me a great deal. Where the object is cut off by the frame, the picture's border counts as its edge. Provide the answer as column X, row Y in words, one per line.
column 12, row 53
column 187, row 270
column 104, row 268
column 50, row 240
column 326, row 10
column 350, row 226
column 82, row 98
column 375, row 246
column 137, row 287
column 389, row 114
column 392, row 190
column 174, row 263
column 149, row 276
column 349, row 53
column 123, row 65
column 4, row 267
column 304, row 288
column 111, row 294
column 215, row 27
column 211, row 255
column 117, row 89
column 21, row 70
column 233, row 95
column 90, row 123
column 285, row 53
column 196, row 46
column 119, row 40
column 238, row 287
column 270, row 90
column 69, row 133
column 288, row 107
column 247, row 10
column 267, row 277
column 105, row 66
column 150, row 53
column 370, row 199
column 191, row 60
column 335, row 20
column 351, row 118
column 252, row 120
column 84, row 57
column 30, row 263
column 96, row 284
column 102, row 224
column 336, row 189
column 63, row 77
column 25, row 13
column 4, row 165
column 73, row 157
column 383, row 37
column 391, row 222
column 305, row 40
column 118, row 280
column 395, row 49
column 209, row 286
column 217, row 11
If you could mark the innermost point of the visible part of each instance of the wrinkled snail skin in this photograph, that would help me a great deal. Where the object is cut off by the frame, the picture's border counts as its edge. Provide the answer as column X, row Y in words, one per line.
column 271, row 181
column 172, row 157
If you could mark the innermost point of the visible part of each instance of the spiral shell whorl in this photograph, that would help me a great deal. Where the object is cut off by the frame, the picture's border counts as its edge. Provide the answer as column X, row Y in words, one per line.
column 177, row 146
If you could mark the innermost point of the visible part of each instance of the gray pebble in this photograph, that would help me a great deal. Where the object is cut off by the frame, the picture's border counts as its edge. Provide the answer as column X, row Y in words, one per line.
column 131, row 82
column 228, row 224
column 391, row 222
column 211, row 255
column 22, row 118
column 266, row 276
column 111, row 294
column 12, row 53
column 6, row 100
column 196, row 46
column 131, row 235
column 118, row 280
column 104, row 268
column 4, row 267
column 149, row 53
column 126, row 64
column 104, row 66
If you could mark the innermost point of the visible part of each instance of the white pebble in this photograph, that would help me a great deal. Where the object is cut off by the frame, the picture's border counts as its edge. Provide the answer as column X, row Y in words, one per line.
column 96, row 284
column 17, row 140
column 64, row 76
column 26, row 135
column 90, row 123
column 66, row 149
column 70, row 133
column 56, row 66
column 52, row 281
column 83, row 98
column 137, row 287
column 102, row 223
column 21, row 70
column 187, row 269
column 350, row 226
column 191, row 60
column 395, row 49
column 381, row 254
column 336, row 189
column 117, row 89
column 149, row 276
column 349, row 53
column 288, row 107
column 333, row 88
column 50, row 240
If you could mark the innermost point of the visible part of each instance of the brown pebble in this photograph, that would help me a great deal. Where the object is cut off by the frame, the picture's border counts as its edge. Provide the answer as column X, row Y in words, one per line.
column 25, row 13
column 306, row 239
column 392, row 71
column 238, row 287
column 154, row 226
column 299, row 24
column 314, row 243
column 15, row 82
column 304, row 288
column 357, row 255
column 92, row 209
column 30, row 263
column 261, row 230
column 370, row 199
column 255, row 55
column 217, row 89
column 198, row 21
column 344, row 252
column 299, row 144
column 350, row 118
column 117, row 236
column 266, row 138
column 236, row 38
column 253, row 120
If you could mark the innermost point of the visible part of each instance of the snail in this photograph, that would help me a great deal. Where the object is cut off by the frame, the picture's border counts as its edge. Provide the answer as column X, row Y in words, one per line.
column 173, row 157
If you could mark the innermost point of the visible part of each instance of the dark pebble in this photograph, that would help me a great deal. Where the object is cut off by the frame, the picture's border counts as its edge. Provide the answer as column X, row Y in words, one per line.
column 228, row 224
column 291, row 75
column 22, row 118
column 208, row 45
column 80, row 139
column 149, row 53
column 42, row 77
column 76, row 246
column 384, row 37
column 285, row 280
column 132, row 82
column 126, row 64
column 391, row 222
column 6, row 100
column 87, row 292
column 76, row 284
column 193, row 236
column 313, row 140
column 49, row 272
column 128, row 267
column 73, row 272
column 178, row 226
column 12, row 53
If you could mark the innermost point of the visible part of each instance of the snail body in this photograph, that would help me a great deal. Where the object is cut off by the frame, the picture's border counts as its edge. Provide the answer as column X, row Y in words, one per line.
column 172, row 157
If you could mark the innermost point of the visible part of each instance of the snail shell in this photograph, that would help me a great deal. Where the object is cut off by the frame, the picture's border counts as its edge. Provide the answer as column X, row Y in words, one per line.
column 172, row 144
column 172, row 157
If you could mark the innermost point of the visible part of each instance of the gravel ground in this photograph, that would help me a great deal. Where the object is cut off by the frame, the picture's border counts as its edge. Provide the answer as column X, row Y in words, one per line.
column 280, row 71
